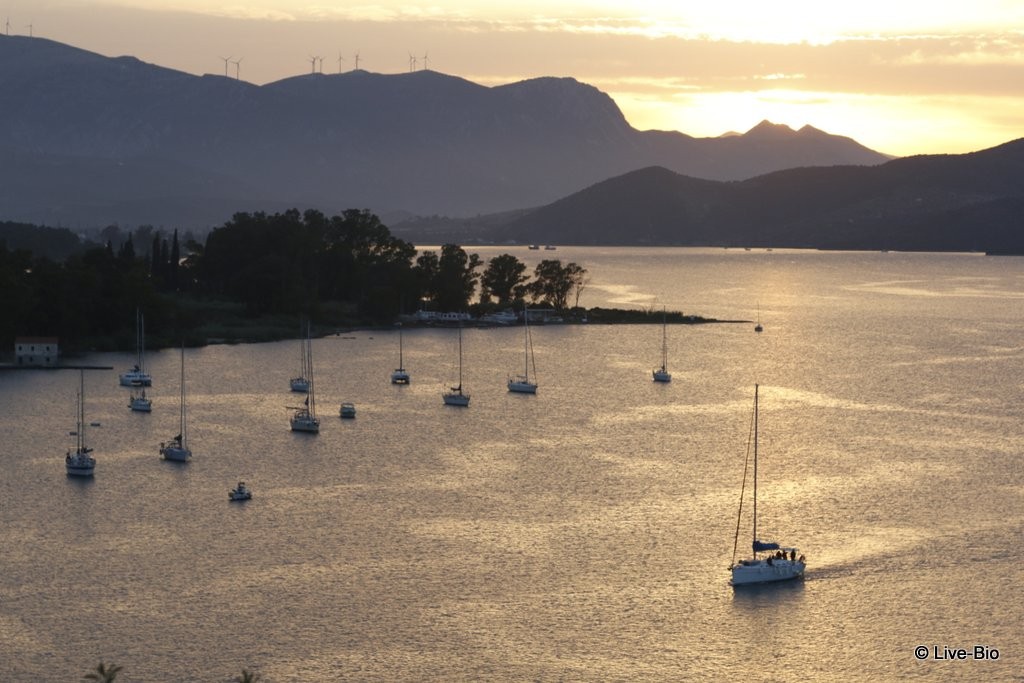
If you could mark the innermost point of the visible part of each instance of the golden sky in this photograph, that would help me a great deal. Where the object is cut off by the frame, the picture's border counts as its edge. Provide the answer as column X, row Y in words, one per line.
column 901, row 76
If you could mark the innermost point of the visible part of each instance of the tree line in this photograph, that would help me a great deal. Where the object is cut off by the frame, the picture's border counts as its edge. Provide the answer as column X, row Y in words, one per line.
column 338, row 270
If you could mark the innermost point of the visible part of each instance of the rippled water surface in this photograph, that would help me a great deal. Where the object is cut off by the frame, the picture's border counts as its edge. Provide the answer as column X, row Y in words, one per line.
column 580, row 534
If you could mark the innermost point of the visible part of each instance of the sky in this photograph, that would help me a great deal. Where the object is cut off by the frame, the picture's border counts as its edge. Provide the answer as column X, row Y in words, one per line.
column 900, row 76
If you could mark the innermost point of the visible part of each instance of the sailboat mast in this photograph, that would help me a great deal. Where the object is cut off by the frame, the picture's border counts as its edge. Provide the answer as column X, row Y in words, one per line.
column 181, row 410
column 401, row 364
column 460, row 358
column 664, row 340
column 309, row 360
column 81, row 412
column 755, row 463
column 526, row 343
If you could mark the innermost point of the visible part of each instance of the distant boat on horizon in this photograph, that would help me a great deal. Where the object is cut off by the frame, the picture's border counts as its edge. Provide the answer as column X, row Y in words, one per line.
column 300, row 383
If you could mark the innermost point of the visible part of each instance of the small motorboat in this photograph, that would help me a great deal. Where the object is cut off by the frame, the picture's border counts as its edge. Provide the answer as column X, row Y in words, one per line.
column 347, row 410
column 240, row 492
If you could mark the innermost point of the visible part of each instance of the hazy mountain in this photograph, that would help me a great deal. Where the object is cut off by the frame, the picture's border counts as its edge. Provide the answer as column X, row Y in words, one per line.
column 968, row 202
column 88, row 139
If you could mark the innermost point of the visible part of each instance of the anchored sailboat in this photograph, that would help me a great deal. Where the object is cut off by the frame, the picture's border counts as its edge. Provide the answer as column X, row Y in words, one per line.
column 177, row 448
column 399, row 374
column 301, row 383
column 662, row 374
column 79, row 463
column 770, row 561
column 304, row 418
column 453, row 396
column 521, row 383
column 138, row 376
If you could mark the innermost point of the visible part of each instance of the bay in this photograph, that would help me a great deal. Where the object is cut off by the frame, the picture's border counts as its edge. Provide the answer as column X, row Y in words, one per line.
column 583, row 533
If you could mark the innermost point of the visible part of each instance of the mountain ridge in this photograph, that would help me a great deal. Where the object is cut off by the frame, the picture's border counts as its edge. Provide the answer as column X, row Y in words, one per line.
column 423, row 142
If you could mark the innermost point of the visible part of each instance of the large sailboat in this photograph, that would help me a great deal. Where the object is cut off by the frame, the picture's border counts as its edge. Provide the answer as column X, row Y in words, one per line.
column 453, row 396
column 662, row 374
column 137, row 375
column 79, row 463
column 177, row 448
column 399, row 375
column 770, row 561
column 304, row 417
column 521, row 383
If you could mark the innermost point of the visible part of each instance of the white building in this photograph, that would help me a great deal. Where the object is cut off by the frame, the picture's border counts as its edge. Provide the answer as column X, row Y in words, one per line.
column 38, row 352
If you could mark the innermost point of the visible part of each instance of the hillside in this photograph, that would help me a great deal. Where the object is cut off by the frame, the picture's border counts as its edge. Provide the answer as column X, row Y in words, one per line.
column 968, row 202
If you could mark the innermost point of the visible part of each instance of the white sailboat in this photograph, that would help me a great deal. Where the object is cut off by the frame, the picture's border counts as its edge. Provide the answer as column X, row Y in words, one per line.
column 300, row 384
column 304, row 418
column 662, row 374
column 521, row 384
column 79, row 463
column 139, row 402
column 453, row 396
column 770, row 561
column 177, row 448
column 399, row 374
column 138, row 376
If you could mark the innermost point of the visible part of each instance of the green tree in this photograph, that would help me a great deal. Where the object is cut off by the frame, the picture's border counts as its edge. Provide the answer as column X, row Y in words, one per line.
column 553, row 282
column 501, row 279
column 456, row 278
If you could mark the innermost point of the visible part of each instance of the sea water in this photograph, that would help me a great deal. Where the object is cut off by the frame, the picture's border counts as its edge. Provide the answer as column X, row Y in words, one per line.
column 584, row 533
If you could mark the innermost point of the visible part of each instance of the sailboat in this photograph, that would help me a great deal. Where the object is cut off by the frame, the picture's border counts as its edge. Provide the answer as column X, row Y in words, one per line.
column 80, row 463
column 662, row 374
column 301, row 383
column 138, row 376
column 177, row 448
column 399, row 374
column 453, row 396
column 521, row 384
column 304, row 418
column 770, row 561
column 139, row 402
column 758, row 327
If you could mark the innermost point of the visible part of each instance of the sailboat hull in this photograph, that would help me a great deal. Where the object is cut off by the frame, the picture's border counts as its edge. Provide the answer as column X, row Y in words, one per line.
column 461, row 400
column 759, row 571
column 306, row 424
column 134, row 378
column 662, row 376
column 400, row 376
column 300, row 385
column 80, row 465
column 176, row 453
column 522, row 386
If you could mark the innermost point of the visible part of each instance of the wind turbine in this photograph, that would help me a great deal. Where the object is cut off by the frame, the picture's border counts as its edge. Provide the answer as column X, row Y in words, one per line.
column 7, row 27
column 357, row 60
column 312, row 62
column 225, row 60
column 29, row 30
column 412, row 62
column 425, row 60
column 238, row 68
column 340, row 60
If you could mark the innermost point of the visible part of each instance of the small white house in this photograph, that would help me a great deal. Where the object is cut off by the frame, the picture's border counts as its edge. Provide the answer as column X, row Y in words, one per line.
column 40, row 352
